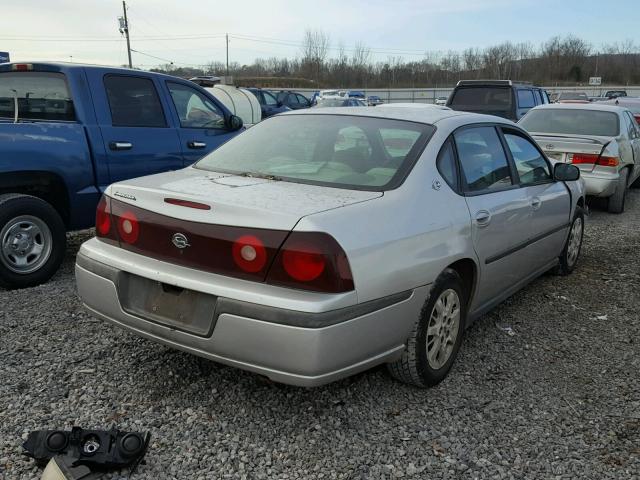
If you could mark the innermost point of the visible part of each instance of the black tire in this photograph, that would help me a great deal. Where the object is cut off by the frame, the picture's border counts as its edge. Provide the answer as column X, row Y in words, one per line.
column 636, row 183
column 566, row 261
column 414, row 366
column 617, row 200
column 12, row 206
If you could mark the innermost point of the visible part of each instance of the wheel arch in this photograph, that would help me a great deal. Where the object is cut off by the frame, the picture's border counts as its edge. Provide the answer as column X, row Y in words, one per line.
column 47, row 186
column 468, row 271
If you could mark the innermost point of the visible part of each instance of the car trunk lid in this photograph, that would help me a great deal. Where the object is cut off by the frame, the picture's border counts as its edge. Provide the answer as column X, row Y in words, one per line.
column 234, row 200
column 563, row 148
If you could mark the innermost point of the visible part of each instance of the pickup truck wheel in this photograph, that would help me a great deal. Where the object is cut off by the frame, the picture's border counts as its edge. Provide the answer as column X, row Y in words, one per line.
column 616, row 201
column 436, row 337
column 32, row 241
column 571, row 252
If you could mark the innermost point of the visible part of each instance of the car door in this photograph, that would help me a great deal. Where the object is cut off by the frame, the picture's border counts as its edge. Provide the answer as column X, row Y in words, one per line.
column 634, row 139
column 550, row 201
column 499, row 209
column 136, row 129
column 271, row 104
column 303, row 102
column 202, row 122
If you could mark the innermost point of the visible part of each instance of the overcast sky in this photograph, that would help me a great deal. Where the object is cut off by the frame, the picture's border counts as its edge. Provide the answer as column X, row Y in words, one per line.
column 191, row 32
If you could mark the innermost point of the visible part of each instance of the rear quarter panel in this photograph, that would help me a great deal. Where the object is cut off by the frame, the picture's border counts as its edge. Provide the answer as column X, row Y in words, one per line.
column 405, row 238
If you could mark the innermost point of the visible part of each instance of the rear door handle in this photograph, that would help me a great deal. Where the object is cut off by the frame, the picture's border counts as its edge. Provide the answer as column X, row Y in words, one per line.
column 120, row 145
column 196, row 145
column 483, row 218
column 535, row 203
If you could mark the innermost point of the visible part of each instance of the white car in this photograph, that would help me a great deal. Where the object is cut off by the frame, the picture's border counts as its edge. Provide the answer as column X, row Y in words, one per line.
column 603, row 141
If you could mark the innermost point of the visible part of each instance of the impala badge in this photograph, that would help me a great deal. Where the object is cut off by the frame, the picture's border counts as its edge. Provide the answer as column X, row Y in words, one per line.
column 550, row 146
column 180, row 240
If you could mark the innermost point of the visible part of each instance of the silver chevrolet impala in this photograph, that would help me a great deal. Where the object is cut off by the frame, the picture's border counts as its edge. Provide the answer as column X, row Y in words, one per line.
column 320, row 243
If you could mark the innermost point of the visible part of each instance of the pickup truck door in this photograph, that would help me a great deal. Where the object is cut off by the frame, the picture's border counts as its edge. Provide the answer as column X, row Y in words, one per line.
column 202, row 125
column 136, row 128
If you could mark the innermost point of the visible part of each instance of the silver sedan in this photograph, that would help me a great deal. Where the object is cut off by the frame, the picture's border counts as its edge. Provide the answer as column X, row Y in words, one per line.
column 602, row 140
column 320, row 243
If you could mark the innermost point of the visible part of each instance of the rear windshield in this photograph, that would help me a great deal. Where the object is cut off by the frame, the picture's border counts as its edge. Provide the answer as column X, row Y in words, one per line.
column 482, row 98
column 573, row 96
column 336, row 150
column 39, row 95
column 572, row 122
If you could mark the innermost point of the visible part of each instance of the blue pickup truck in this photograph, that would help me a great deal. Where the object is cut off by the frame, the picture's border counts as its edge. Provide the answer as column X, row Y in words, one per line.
column 67, row 131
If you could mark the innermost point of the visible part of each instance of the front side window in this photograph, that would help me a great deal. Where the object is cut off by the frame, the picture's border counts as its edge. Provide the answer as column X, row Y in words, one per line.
column 39, row 95
column 194, row 109
column 531, row 166
column 482, row 158
column 133, row 102
column 336, row 150
column 525, row 99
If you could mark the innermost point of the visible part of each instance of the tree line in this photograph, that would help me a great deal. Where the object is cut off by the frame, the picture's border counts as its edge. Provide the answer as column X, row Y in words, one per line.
column 561, row 61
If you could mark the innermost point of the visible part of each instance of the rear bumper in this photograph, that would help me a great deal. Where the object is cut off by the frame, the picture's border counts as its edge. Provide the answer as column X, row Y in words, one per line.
column 298, row 348
column 600, row 184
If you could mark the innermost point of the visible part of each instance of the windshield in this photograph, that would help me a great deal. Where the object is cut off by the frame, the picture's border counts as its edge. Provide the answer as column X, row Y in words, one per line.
column 571, row 122
column 40, row 96
column 332, row 102
column 475, row 98
column 335, row 150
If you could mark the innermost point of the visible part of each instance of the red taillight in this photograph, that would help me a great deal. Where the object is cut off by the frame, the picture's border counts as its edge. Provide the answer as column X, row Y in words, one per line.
column 608, row 161
column 311, row 261
column 128, row 227
column 103, row 218
column 187, row 203
column 249, row 253
column 303, row 262
column 593, row 159
column 637, row 117
column 584, row 158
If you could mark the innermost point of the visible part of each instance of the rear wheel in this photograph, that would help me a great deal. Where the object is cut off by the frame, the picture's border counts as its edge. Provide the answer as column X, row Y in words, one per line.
column 32, row 241
column 571, row 252
column 436, row 336
column 617, row 200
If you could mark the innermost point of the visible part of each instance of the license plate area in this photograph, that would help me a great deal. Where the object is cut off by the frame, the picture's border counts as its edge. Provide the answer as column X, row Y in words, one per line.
column 168, row 305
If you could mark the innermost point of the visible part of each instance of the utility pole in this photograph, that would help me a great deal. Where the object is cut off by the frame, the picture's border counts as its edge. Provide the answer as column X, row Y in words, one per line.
column 227, row 36
column 125, row 29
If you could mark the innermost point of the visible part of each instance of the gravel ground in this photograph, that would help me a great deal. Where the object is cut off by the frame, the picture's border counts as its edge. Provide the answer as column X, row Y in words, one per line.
column 559, row 399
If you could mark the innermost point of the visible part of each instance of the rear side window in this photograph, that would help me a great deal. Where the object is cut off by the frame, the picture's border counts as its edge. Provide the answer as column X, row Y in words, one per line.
column 39, row 95
column 482, row 158
column 133, row 102
column 269, row 99
column 446, row 164
column 525, row 99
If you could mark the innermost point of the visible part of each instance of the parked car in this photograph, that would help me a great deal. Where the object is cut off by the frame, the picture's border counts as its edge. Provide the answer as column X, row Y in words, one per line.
column 602, row 140
column 357, row 94
column 339, row 102
column 269, row 104
column 264, row 255
column 615, row 93
column 330, row 94
column 503, row 98
column 374, row 100
column 633, row 104
column 68, row 131
column 441, row 101
column 572, row 97
column 293, row 100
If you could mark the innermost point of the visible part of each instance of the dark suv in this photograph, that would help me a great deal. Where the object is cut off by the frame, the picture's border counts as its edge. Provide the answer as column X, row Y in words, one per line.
column 503, row 98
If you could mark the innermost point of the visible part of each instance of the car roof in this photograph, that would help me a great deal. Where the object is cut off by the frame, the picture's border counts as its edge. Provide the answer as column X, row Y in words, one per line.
column 412, row 114
column 598, row 106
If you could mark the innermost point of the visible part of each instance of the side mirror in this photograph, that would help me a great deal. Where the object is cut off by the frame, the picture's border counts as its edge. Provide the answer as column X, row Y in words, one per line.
column 565, row 172
column 234, row 123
